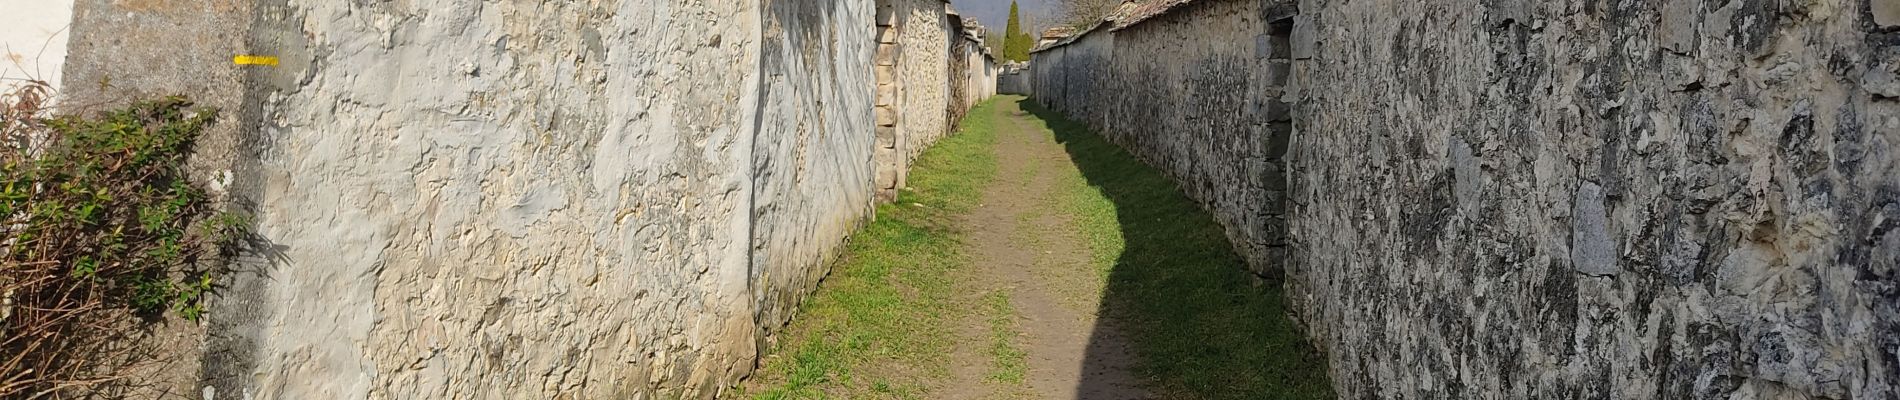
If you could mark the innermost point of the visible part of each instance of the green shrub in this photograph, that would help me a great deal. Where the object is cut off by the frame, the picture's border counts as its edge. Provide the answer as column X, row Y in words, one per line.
column 102, row 230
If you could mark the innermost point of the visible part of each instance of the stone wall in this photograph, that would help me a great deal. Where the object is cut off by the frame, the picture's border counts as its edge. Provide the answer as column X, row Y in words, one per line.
column 1667, row 199
column 972, row 70
column 924, row 81
column 1193, row 89
column 913, row 103
column 1013, row 81
column 984, row 72
column 1044, row 77
column 466, row 199
column 1571, row 198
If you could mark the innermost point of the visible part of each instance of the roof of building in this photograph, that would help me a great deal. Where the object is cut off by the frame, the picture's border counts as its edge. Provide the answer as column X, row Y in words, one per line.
column 1130, row 14
column 1143, row 11
column 970, row 29
column 1135, row 12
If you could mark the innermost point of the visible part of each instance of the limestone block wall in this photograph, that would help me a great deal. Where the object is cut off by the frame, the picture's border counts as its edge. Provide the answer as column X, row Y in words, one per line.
column 1551, row 199
column 1192, row 88
column 915, row 98
column 467, row 199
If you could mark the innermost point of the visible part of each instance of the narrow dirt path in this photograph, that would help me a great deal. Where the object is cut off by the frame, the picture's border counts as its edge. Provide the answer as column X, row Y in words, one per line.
column 1031, row 269
column 989, row 280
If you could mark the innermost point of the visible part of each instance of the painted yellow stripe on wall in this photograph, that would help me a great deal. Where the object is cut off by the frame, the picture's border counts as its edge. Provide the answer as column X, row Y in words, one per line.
column 255, row 60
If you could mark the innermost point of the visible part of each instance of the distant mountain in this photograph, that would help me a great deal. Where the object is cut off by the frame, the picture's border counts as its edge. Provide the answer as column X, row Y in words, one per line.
column 994, row 14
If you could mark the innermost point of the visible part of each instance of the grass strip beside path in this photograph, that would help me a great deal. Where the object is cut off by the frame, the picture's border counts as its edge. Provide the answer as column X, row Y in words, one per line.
column 1200, row 325
column 880, row 325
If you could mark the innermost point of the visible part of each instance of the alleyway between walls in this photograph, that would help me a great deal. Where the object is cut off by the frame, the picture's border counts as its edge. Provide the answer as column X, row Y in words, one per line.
column 1032, row 260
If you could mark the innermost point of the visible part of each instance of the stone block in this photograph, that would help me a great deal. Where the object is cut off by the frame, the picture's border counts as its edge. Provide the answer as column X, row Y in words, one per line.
column 1592, row 250
column 887, row 35
column 1272, row 175
column 1272, row 262
column 886, row 95
column 1305, row 37
column 1276, row 14
column 1275, row 140
column 1262, row 46
column 886, row 117
column 1678, row 29
column 1270, row 46
column 887, row 178
column 886, row 13
column 1274, row 110
column 886, row 55
column 1277, row 72
column 886, row 137
column 1880, row 81
column 1886, row 13
column 1273, row 202
column 886, row 74
column 1273, row 230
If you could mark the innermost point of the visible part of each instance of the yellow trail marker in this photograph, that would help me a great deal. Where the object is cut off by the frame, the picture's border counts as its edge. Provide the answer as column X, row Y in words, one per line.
column 254, row 60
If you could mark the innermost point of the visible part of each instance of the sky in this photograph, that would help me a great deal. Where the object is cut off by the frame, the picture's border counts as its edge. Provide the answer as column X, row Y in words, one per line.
column 994, row 14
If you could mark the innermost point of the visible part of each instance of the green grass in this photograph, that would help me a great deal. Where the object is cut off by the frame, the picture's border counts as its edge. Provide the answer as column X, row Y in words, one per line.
column 1201, row 327
column 882, row 323
column 1009, row 363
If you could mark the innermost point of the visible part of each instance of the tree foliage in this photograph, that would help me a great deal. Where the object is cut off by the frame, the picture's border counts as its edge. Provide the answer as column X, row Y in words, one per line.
column 1016, row 42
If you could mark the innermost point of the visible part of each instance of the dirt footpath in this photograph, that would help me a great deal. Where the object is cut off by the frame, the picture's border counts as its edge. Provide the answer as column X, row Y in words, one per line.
column 1024, row 248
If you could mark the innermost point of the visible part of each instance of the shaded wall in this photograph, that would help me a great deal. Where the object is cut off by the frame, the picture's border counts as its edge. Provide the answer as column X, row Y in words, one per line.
column 1554, row 199
column 972, row 71
column 1195, row 93
column 1013, row 81
column 519, row 199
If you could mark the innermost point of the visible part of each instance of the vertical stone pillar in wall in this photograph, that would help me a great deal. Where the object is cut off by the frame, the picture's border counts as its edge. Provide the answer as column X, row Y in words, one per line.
column 1273, row 50
column 959, row 84
column 122, row 52
column 886, row 155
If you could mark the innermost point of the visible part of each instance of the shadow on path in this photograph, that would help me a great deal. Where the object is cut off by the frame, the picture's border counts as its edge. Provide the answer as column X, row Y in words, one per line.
column 1201, row 326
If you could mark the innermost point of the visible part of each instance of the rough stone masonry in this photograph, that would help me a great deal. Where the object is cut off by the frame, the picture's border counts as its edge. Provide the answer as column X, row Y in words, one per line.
column 519, row 199
column 1543, row 199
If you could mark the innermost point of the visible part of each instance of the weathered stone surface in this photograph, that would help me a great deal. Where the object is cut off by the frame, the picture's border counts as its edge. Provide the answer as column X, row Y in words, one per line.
column 1197, row 103
column 1013, row 79
column 1304, row 39
column 115, row 57
column 1631, row 232
column 1591, row 251
column 1885, row 12
column 465, row 199
column 937, row 73
column 1556, row 199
